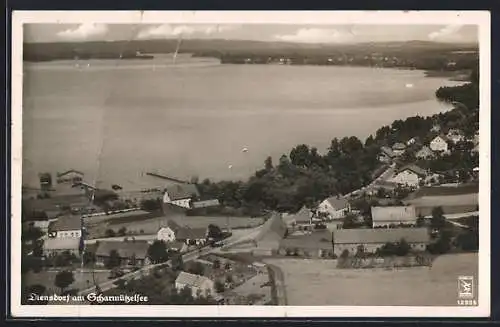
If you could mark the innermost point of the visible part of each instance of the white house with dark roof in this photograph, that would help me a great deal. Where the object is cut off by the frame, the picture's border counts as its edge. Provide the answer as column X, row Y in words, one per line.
column 335, row 207
column 181, row 195
column 399, row 148
column 410, row 175
column 394, row 215
column 199, row 285
column 373, row 239
column 66, row 227
column 439, row 144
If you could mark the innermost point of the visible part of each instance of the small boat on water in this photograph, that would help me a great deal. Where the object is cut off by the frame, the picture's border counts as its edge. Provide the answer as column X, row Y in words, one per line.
column 409, row 85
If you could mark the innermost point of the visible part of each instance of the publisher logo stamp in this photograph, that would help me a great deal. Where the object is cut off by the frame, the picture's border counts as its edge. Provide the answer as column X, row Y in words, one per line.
column 466, row 291
column 465, row 287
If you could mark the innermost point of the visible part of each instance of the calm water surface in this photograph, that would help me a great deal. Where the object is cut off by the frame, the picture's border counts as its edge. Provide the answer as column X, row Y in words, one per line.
column 117, row 120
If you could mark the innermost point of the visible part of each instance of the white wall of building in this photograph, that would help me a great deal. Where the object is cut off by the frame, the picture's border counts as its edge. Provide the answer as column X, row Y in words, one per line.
column 77, row 233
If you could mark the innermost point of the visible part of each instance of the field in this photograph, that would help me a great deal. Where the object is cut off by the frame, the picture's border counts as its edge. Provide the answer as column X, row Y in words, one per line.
column 447, row 200
column 318, row 282
column 434, row 191
column 82, row 280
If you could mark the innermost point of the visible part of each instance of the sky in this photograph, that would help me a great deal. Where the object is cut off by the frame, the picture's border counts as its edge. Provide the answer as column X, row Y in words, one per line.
column 258, row 32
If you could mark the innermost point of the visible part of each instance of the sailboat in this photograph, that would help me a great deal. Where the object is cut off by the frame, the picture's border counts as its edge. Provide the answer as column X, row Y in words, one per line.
column 177, row 50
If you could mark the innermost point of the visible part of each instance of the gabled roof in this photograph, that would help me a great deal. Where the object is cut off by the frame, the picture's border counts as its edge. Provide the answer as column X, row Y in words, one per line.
column 273, row 230
column 69, row 172
column 387, row 151
column 185, row 233
column 182, row 191
column 66, row 223
column 338, row 202
column 126, row 249
column 191, row 280
column 442, row 136
column 399, row 146
column 303, row 215
column 380, row 235
column 425, row 149
column 413, row 168
column 393, row 214
column 61, row 244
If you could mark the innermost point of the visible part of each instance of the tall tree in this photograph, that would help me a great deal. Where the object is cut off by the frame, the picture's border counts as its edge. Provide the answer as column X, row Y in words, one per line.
column 157, row 252
column 300, row 155
column 64, row 279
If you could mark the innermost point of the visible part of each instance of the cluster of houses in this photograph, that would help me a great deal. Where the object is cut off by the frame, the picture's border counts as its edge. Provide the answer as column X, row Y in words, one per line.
column 441, row 144
column 390, row 225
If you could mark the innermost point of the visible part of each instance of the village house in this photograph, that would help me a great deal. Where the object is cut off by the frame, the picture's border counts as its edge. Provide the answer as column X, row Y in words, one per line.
column 335, row 207
column 424, row 153
column 172, row 232
column 455, row 135
column 55, row 246
column 192, row 236
column 386, row 155
column 439, row 144
column 409, row 175
column 199, row 285
column 71, row 176
column 412, row 141
column 205, row 204
column 393, row 216
column 373, row 239
column 167, row 233
column 181, row 195
column 315, row 245
column 303, row 217
column 131, row 253
column 398, row 149
column 66, row 227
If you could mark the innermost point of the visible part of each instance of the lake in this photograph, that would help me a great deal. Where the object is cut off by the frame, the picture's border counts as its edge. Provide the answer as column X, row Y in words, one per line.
column 115, row 120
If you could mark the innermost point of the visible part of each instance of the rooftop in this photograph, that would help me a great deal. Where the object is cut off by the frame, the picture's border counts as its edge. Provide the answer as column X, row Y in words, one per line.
column 185, row 233
column 396, row 214
column 182, row 191
column 414, row 168
column 380, row 236
column 191, row 280
column 61, row 244
column 66, row 223
column 399, row 146
column 338, row 202
column 303, row 215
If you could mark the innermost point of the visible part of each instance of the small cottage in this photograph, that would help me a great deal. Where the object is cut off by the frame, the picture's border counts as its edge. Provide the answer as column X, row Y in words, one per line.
column 373, row 239
column 199, row 285
column 439, row 144
column 410, row 175
column 335, row 207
